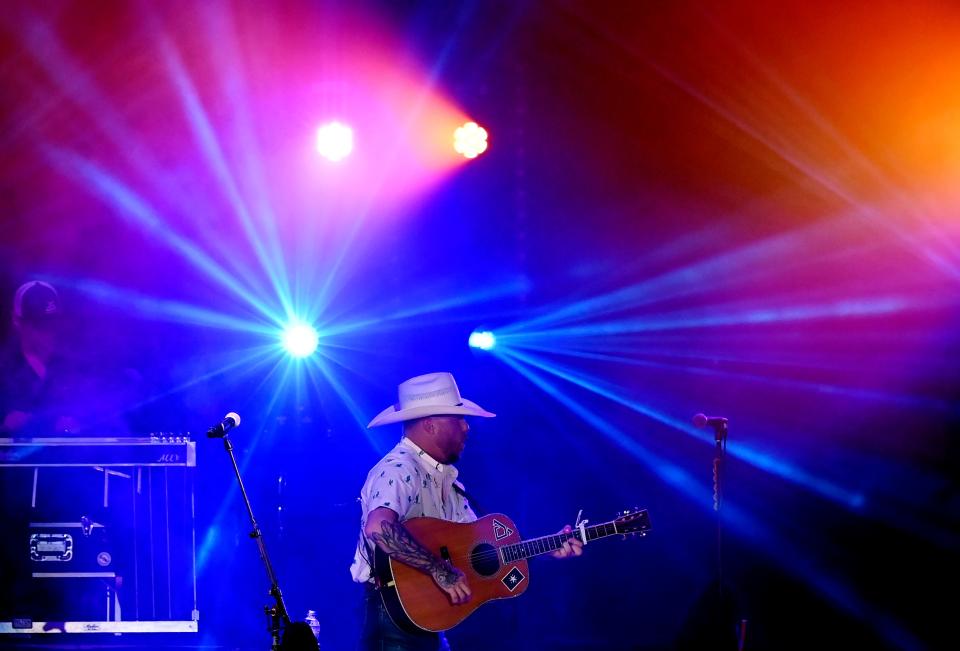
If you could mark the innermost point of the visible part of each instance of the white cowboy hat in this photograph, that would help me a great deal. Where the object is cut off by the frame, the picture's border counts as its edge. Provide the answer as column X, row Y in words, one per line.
column 433, row 394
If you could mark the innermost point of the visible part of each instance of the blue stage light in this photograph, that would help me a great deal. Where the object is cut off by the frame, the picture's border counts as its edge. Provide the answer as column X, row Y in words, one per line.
column 300, row 339
column 482, row 339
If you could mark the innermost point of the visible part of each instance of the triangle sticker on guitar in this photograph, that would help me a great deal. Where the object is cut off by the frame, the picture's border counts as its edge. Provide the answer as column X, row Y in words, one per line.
column 491, row 555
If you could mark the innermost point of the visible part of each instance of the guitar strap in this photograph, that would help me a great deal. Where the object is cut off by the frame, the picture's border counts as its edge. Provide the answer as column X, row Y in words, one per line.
column 474, row 505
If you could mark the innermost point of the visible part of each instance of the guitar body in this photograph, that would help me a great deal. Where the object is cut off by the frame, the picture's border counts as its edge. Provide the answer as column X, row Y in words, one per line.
column 416, row 604
column 491, row 556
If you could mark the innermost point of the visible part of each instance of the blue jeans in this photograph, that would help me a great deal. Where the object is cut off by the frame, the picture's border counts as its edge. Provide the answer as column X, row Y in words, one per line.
column 379, row 633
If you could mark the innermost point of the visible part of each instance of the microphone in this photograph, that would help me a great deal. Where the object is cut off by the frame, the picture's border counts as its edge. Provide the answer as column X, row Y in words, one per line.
column 220, row 430
column 717, row 423
column 701, row 420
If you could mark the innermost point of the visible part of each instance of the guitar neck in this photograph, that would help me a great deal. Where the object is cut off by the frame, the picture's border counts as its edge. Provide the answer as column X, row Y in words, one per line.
column 546, row 544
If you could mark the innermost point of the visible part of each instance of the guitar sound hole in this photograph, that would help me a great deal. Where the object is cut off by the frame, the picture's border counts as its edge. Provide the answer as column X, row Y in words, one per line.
column 485, row 559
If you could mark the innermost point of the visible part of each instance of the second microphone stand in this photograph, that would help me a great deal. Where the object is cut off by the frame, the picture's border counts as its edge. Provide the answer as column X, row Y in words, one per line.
column 719, row 426
column 277, row 613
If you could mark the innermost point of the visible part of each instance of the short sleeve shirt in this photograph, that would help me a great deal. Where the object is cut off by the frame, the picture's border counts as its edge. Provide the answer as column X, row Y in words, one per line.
column 413, row 484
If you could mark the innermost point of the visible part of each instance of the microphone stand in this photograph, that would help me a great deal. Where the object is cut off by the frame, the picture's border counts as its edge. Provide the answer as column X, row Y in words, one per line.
column 720, row 437
column 277, row 614
column 719, row 426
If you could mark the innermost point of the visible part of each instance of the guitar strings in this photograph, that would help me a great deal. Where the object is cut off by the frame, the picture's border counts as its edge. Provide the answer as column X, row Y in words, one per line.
column 489, row 554
column 495, row 552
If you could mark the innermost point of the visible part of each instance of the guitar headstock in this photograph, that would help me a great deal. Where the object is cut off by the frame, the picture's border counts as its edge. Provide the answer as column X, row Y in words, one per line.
column 633, row 521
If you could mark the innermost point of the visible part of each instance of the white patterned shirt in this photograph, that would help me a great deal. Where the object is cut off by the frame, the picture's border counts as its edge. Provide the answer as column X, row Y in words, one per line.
column 411, row 483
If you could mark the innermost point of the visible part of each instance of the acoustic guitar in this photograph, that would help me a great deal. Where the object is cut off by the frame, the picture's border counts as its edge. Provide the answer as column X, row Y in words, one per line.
column 491, row 555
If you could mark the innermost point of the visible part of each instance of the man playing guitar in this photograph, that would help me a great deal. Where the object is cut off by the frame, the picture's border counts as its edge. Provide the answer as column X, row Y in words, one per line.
column 415, row 479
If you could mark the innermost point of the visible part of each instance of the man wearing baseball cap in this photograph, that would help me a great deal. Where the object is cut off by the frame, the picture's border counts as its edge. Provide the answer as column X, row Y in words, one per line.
column 416, row 479
column 34, row 396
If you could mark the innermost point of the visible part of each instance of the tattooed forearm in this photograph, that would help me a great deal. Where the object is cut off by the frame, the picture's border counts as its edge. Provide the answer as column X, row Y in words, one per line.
column 400, row 545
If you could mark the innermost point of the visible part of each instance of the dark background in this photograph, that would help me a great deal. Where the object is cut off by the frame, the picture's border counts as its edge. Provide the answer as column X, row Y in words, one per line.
column 745, row 209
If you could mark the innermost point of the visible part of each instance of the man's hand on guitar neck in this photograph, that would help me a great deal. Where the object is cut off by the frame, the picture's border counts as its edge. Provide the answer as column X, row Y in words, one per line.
column 571, row 547
column 384, row 528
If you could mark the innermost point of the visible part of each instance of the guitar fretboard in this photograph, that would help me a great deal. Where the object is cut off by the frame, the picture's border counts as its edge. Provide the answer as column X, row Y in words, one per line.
column 545, row 545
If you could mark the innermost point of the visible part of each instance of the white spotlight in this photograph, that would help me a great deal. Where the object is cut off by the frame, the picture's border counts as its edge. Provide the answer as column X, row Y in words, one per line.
column 335, row 141
column 482, row 339
column 300, row 339
column 470, row 140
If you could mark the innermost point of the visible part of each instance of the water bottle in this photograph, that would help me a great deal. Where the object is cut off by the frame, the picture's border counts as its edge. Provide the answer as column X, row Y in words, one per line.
column 313, row 623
